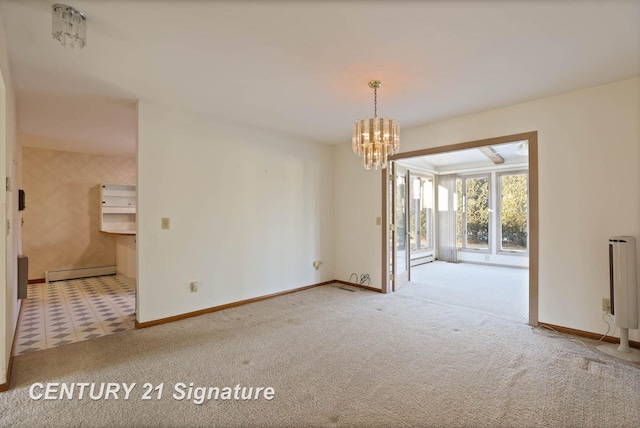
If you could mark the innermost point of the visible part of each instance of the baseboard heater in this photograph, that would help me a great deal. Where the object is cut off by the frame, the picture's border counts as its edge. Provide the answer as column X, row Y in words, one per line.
column 421, row 260
column 64, row 274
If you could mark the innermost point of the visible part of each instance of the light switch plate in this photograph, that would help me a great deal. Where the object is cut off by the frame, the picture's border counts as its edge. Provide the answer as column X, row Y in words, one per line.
column 166, row 223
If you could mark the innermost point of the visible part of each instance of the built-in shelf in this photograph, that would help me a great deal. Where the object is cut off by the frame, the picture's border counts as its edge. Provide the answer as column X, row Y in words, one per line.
column 118, row 208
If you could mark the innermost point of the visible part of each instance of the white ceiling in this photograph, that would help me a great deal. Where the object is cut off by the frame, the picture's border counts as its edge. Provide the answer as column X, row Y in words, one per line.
column 468, row 159
column 302, row 68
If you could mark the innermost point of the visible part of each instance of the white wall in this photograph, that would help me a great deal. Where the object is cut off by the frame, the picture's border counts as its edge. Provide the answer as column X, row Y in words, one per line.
column 589, row 182
column 9, row 167
column 250, row 211
column 358, row 199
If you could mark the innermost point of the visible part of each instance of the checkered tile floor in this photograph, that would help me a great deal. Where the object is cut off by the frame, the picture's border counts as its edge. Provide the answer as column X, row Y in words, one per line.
column 63, row 312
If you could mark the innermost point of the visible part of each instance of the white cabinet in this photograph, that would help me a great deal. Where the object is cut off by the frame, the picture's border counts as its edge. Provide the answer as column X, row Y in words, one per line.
column 118, row 208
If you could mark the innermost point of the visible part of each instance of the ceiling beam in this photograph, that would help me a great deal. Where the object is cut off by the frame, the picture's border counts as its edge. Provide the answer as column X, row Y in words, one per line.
column 491, row 154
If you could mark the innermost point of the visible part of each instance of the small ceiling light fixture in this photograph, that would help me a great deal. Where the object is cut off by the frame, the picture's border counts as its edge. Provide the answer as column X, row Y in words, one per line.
column 69, row 26
column 522, row 149
column 376, row 138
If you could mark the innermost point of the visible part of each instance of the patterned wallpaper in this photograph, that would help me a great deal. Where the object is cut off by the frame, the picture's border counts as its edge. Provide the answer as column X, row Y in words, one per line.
column 62, row 214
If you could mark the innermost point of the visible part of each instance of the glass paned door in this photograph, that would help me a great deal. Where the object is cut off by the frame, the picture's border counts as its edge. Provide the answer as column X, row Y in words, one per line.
column 400, row 231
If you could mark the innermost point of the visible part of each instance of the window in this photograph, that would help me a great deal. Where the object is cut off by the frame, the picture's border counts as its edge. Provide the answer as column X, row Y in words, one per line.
column 421, row 213
column 513, row 212
column 473, row 228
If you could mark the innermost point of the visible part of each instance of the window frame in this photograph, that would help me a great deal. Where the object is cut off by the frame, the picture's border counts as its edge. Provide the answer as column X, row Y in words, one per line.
column 464, row 247
column 426, row 177
column 499, row 249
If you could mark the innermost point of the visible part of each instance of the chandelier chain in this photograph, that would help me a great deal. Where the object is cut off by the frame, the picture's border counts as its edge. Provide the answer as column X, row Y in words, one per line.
column 375, row 102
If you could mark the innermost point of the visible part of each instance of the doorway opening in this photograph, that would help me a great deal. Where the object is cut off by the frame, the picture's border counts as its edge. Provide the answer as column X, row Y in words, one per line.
column 79, row 224
column 474, row 202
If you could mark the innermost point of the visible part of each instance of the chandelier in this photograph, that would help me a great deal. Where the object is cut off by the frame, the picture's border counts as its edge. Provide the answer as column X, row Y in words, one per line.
column 376, row 138
column 69, row 26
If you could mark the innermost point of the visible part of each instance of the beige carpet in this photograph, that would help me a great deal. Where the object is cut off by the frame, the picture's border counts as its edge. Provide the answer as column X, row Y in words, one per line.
column 496, row 290
column 337, row 358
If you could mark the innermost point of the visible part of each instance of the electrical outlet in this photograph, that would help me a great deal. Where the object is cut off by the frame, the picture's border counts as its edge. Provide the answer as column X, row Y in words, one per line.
column 194, row 286
column 606, row 305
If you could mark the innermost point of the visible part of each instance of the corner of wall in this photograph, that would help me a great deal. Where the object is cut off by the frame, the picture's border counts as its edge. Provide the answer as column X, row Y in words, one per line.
column 9, row 149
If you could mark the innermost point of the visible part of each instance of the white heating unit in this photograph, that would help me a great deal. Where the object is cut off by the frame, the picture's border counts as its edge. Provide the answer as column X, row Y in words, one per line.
column 623, row 286
column 65, row 274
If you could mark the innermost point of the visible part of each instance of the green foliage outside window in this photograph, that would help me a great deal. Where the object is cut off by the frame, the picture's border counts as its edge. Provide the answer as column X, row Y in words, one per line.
column 477, row 212
column 514, row 212
column 473, row 192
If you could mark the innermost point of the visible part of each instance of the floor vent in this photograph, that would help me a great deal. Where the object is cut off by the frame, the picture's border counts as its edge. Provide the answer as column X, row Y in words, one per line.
column 64, row 274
